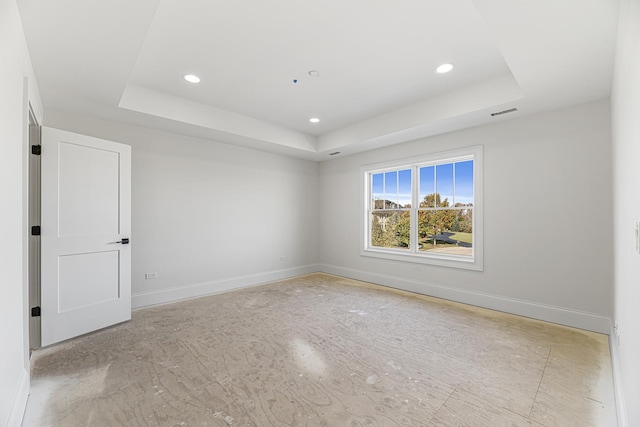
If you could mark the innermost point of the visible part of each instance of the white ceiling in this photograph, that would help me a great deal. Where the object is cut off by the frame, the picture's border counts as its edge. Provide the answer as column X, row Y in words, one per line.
column 124, row 60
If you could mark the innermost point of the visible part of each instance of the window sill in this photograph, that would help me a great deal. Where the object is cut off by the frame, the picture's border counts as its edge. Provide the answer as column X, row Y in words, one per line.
column 452, row 261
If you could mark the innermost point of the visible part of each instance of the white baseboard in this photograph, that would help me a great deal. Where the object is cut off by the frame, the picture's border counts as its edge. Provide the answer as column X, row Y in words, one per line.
column 621, row 409
column 548, row 313
column 19, row 401
column 162, row 296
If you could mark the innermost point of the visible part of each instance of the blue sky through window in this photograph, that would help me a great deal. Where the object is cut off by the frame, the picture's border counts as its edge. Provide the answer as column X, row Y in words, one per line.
column 427, row 182
column 444, row 183
column 391, row 187
column 378, row 186
column 464, row 182
column 404, row 187
column 395, row 186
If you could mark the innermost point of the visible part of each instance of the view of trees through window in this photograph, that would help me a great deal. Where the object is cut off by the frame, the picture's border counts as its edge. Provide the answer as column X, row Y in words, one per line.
column 443, row 208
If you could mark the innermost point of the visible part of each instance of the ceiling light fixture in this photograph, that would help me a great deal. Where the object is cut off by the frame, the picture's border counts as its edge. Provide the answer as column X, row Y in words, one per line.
column 314, row 120
column 192, row 78
column 314, row 73
column 444, row 68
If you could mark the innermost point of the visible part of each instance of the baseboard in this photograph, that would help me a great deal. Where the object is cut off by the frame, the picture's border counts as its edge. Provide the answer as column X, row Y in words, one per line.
column 621, row 409
column 19, row 401
column 548, row 313
column 177, row 293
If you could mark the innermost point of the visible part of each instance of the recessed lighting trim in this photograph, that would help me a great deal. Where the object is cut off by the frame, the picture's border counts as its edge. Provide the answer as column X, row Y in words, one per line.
column 444, row 68
column 192, row 78
column 314, row 120
column 314, row 73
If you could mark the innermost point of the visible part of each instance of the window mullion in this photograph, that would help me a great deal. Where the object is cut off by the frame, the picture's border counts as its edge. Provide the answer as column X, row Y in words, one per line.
column 415, row 195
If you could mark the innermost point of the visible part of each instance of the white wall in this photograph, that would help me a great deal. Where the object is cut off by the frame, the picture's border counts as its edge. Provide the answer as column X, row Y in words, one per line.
column 626, row 159
column 208, row 216
column 547, row 218
column 15, row 66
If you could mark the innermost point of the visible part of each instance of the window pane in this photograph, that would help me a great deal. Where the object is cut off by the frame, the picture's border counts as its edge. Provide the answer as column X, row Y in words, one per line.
column 463, row 224
column 427, row 187
column 377, row 187
column 390, row 229
column 404, row 188
column 464, row 183
column 446, row 231
column 391, row 190
column 444, row 185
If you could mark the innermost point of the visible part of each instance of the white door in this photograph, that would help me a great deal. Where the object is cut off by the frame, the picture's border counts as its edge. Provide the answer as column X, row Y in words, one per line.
column 86, row 224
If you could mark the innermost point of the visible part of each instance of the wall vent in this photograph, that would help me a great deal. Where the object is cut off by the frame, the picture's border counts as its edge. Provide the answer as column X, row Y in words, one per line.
column 498, row 113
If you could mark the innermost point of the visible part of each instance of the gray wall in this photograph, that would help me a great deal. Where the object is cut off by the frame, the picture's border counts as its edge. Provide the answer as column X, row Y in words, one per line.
column 547, row 218
column 626, row 148
column 208, row 216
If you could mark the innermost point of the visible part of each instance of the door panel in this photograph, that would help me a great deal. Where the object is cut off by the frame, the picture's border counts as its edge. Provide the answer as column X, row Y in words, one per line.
column 76, row 270
column 88, row 178
column 86, row 212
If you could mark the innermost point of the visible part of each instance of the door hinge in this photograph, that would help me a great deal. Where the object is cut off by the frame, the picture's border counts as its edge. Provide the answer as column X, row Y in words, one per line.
column 35, row 312
column 35, row 230
column 36, row 149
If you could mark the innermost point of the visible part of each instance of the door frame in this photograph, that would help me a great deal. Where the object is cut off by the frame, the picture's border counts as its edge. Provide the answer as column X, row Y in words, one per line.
column 33, row 113
column 35, row 185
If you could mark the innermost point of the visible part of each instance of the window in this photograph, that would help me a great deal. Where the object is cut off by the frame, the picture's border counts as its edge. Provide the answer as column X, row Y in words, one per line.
column 426, row 209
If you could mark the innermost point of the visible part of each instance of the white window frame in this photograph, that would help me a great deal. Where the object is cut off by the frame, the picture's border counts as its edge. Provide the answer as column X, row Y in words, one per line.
column 474, row 262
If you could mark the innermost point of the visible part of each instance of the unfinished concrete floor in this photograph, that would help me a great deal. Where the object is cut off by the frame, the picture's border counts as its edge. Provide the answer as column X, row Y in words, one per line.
column 320, row 350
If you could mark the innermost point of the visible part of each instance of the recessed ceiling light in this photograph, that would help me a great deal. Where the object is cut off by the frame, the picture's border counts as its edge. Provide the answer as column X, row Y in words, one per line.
column 314, row 73
column 191, row 78
column 444, row 68
column 314, row 120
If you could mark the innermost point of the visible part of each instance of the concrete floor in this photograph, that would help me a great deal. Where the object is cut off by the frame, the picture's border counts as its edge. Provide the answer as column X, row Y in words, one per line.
column 320, row 350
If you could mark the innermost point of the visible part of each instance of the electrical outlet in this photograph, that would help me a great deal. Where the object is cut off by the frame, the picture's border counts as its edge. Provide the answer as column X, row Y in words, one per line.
column 150, row 276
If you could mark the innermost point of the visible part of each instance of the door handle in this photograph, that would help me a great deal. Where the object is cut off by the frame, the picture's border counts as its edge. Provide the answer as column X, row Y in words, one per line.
column 124, row 241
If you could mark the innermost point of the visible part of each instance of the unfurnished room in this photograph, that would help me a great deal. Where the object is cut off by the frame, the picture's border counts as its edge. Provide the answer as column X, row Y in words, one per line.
column 345, row 213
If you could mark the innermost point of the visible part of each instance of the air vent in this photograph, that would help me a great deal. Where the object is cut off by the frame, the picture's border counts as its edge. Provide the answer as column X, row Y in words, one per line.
column 334, row 153
column 499, row 113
